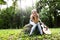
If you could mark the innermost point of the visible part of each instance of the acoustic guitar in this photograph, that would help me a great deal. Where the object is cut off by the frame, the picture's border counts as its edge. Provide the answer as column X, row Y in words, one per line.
column 45, row 29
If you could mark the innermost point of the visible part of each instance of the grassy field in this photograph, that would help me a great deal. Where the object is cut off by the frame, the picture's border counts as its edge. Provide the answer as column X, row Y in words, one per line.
column 16, row 34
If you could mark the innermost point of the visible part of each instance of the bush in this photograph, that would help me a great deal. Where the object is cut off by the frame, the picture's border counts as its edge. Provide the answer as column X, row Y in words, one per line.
column 11, row 18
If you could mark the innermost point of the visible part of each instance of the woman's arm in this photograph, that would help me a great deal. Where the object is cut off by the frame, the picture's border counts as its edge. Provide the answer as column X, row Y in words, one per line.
column 31, row 17
column 35, row 17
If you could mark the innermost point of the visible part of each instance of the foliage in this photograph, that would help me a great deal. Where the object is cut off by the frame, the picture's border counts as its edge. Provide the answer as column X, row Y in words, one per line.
column 6, row 17
column 48, row 11
column 2, row 2
column 11, row 18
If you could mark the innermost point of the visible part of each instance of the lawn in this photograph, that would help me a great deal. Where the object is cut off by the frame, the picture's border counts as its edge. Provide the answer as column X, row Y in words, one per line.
column 16, row 34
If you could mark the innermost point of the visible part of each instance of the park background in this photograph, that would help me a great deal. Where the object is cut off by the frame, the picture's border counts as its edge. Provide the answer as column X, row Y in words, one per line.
column 14, row 15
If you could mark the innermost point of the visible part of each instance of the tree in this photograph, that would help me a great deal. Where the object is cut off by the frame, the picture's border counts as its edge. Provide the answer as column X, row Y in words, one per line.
column 2, row 2
column 51, row 14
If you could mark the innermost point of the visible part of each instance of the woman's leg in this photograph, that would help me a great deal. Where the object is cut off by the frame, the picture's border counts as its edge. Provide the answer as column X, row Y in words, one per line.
column 39, row 27
column 32, row 29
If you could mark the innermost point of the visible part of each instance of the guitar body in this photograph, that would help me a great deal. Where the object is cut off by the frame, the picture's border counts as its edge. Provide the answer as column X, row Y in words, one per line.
column 45, row 29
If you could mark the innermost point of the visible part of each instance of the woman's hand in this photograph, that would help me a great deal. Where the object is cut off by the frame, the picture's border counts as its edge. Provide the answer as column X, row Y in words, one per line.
column 35, row 19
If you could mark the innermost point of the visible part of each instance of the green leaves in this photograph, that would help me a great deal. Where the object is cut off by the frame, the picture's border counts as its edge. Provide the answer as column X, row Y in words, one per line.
column 2, row 2
column 49, row 12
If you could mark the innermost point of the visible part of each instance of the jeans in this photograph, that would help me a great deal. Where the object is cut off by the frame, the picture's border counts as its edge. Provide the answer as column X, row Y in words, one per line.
column 34, row 26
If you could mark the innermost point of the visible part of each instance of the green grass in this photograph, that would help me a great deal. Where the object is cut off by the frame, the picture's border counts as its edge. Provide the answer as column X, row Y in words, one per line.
column 7, row 34
column 16, row 34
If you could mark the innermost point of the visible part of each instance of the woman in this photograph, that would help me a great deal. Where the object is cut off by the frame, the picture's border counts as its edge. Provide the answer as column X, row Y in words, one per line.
column 34, row 20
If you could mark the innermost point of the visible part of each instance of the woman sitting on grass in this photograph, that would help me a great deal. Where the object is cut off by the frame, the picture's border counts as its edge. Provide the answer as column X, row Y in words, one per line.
column 34, row 20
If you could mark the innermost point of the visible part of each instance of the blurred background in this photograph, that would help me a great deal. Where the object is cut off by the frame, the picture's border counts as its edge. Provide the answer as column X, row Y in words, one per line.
column 15, row 13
